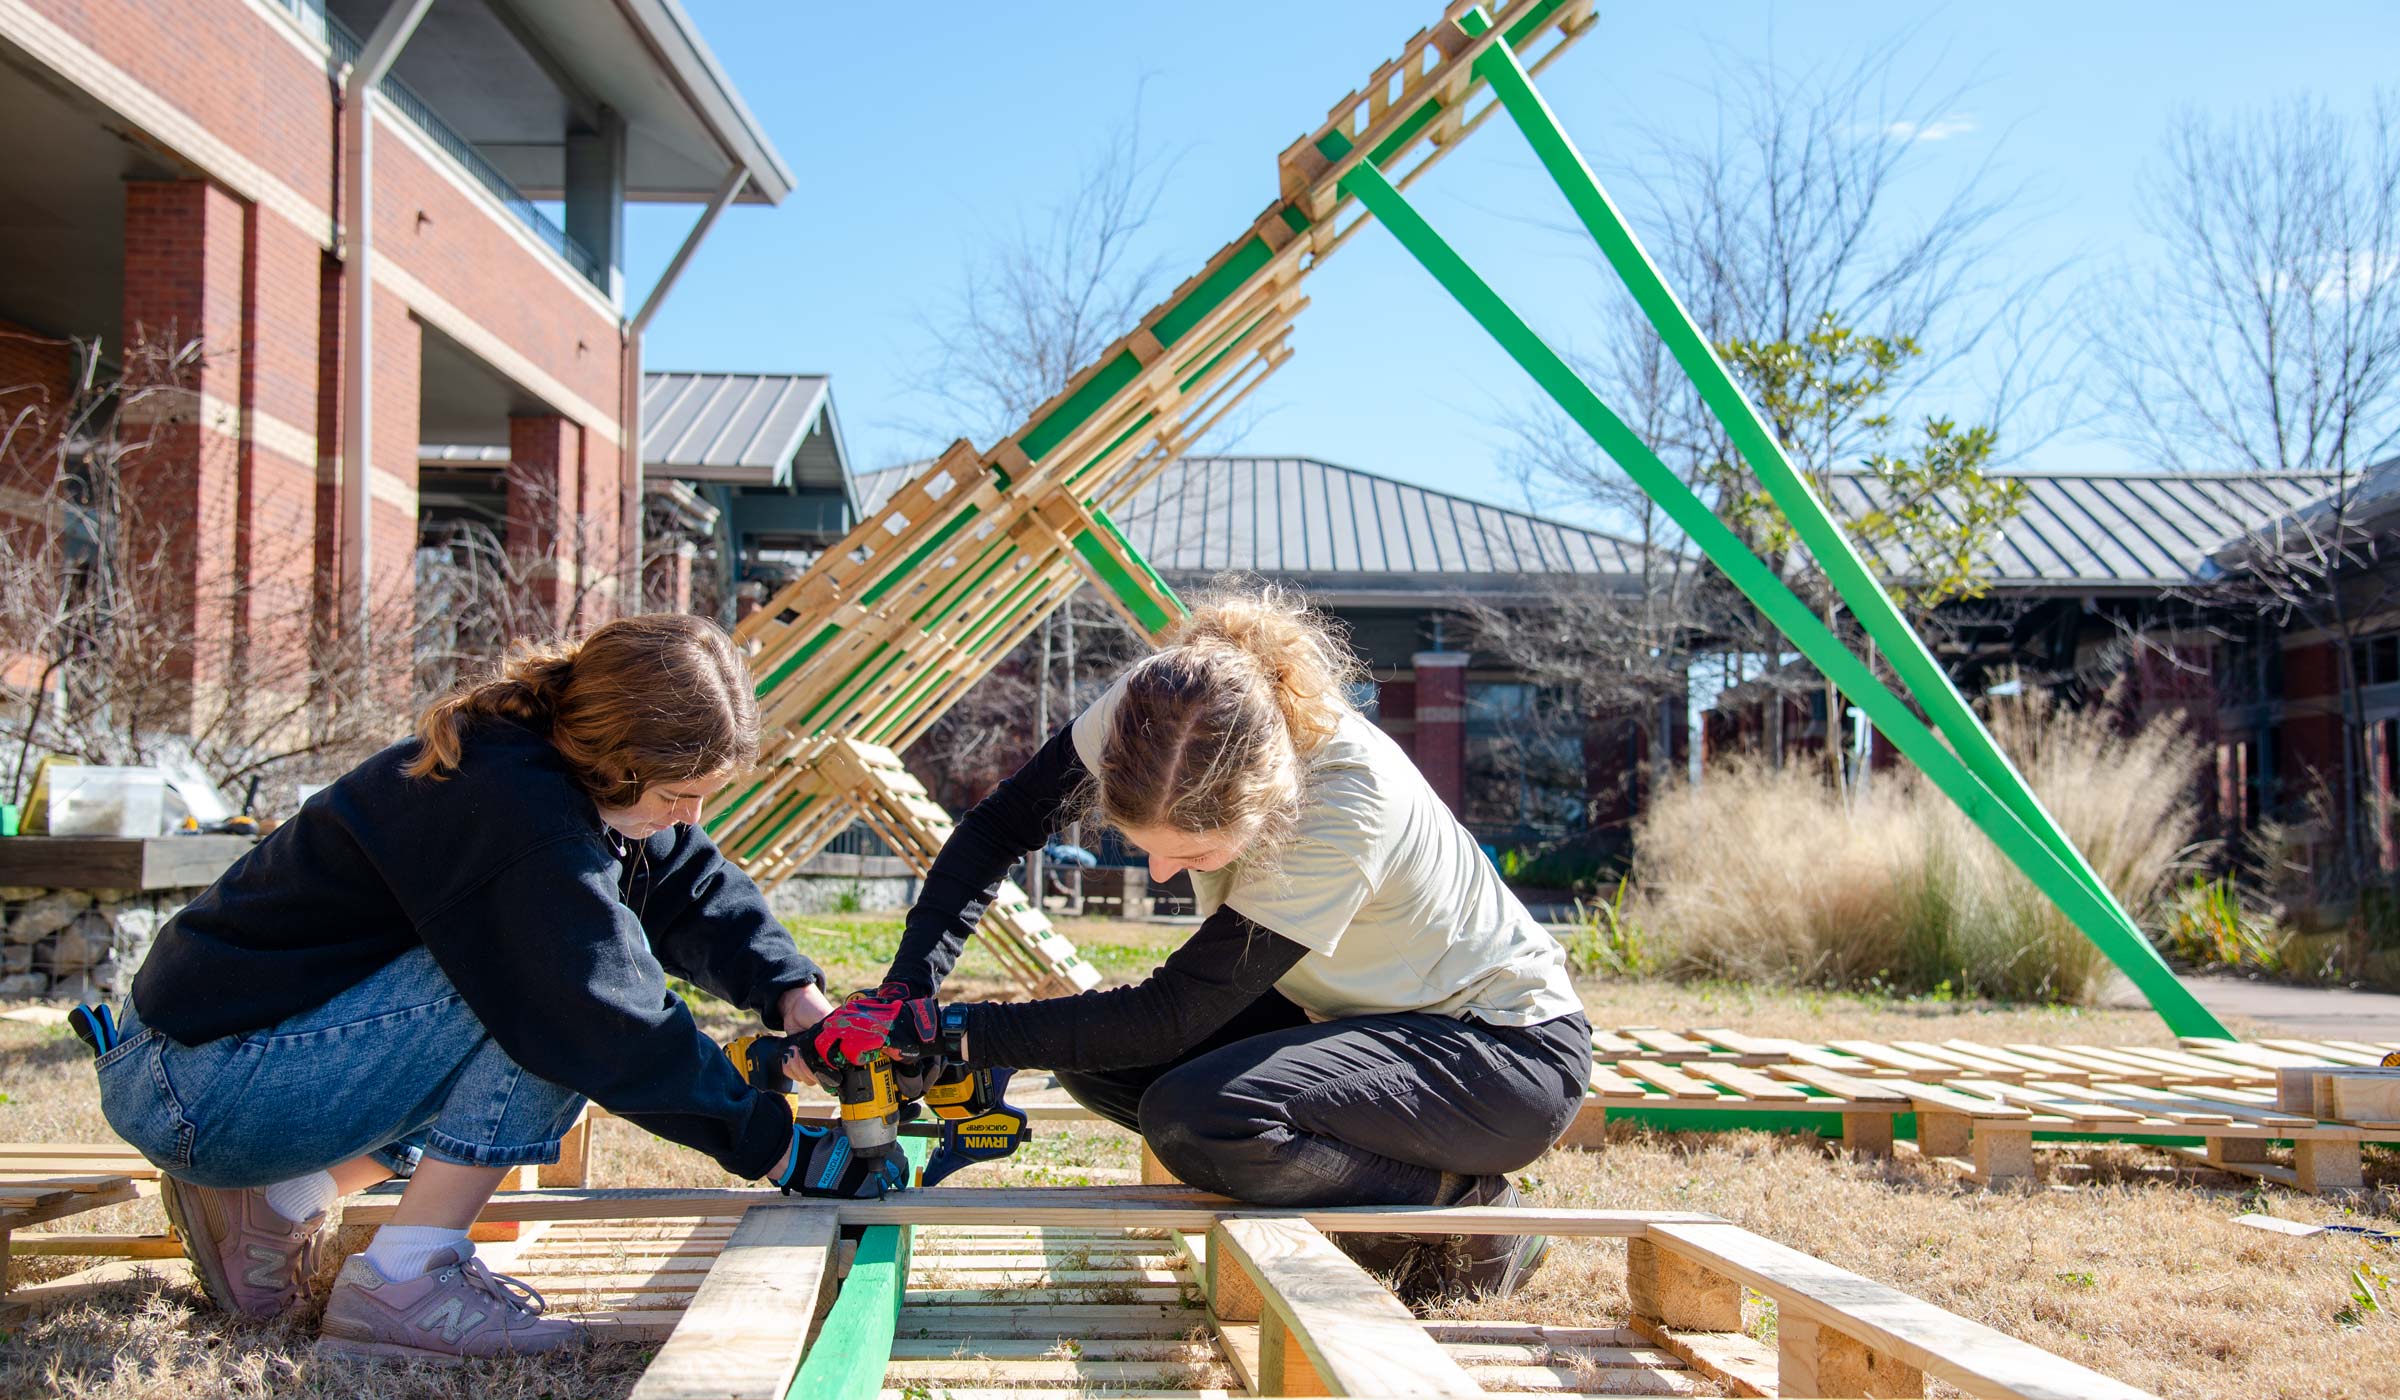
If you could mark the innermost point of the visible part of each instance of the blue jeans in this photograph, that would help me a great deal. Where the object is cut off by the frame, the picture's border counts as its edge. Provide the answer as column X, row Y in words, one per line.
column 396, row 1066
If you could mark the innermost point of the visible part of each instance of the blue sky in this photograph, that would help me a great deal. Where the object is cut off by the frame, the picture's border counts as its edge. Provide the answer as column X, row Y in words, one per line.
column 916, row 141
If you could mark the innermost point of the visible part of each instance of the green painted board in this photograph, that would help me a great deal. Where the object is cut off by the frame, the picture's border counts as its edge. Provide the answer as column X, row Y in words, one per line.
column 854, row 1343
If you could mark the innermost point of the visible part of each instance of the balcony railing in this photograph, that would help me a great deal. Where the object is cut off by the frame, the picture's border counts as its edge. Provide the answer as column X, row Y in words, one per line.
column 346, row 45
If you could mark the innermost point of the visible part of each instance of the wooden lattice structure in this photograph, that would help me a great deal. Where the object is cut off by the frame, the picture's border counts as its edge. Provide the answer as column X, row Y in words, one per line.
column 1163, row 1290
column 889, row 628
column 2213, row 1102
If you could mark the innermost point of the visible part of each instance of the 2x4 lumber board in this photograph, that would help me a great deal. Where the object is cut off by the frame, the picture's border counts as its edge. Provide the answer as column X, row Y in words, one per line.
column 1357, row 1338
column 743, row 1334
column 854, row 1344
column 1969, row 1355
column 1611, row 1044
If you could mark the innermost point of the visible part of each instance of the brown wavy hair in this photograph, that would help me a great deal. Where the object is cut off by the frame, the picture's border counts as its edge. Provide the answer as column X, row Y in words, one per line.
column 1214, row 732
column 658, row 698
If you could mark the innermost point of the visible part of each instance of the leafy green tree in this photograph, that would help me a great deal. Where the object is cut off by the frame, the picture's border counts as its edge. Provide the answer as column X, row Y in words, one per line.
column 1929, row 524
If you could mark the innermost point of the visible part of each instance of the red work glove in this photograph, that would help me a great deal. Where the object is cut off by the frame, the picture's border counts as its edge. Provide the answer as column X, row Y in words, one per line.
column 886, row 1019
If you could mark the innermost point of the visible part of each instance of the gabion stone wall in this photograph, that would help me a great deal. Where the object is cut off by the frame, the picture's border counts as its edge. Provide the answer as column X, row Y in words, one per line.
column 78, row 945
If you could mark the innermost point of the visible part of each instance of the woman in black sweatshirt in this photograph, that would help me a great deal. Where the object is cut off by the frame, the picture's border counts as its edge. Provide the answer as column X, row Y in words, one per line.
column 430, row 968
column 1365, row 1016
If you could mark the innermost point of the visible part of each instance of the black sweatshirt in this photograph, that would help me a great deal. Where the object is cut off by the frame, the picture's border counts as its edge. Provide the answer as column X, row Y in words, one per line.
column 506, row 873
column 1223, row 967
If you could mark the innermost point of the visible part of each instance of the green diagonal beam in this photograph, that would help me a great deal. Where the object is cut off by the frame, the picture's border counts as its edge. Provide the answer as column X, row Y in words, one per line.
column 2090, row 910
column 1833, row 550
column 1857, row 586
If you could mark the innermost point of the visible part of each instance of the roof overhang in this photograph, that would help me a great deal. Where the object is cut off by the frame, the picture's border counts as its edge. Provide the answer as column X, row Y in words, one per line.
column 686, row 127
column 759, row 430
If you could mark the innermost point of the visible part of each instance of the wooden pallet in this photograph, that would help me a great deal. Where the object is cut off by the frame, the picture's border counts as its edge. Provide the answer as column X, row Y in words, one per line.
column 1168, row 1291
column 41, row 1182
column 887, row 629
column 1982, row 1105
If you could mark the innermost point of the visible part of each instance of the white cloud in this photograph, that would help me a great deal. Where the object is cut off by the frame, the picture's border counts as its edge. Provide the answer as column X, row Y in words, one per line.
column 1939, row 129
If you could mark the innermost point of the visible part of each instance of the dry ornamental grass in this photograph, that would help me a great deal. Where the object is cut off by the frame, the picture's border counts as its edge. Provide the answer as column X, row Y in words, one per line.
column 2134, row 1272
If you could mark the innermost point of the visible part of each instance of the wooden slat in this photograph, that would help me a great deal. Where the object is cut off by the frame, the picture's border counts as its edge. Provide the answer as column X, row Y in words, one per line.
column 1358, row 1338
column 1967, row 1354
column 1611, row 1044
column 1608, row 1084
column 743, row 1334
column 1748, row 1082
column 1745, row 1044
column 2041, row 1102
column 1877, row 1053
column 2098, row 1066
column 1935, row 1096
column 2323, row 1053
column 2031, row 1063
column 1981, row 1066
column 1167, row 1208
column 1669, row 1079
column 1666, row 1042
column 1840, row 1085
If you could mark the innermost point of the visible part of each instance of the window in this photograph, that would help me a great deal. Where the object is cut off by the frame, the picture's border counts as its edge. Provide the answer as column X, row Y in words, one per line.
column 1524, row 774
column 2376, row 660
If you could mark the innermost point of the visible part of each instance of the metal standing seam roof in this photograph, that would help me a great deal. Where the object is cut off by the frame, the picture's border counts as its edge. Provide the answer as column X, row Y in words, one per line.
column 2123, row 529
column 743, row 428
column 1300, row 516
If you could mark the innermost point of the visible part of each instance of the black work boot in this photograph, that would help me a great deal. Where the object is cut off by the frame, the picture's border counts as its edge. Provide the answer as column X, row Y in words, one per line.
column 1423, row 1268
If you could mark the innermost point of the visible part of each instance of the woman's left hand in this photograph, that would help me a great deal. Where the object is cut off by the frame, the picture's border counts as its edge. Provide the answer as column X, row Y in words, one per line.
column 803, row 1006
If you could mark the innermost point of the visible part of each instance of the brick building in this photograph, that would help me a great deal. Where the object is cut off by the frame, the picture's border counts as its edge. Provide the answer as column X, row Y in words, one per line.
column 361, row 267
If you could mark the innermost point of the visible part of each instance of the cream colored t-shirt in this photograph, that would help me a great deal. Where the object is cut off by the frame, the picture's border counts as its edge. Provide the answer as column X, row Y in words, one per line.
column 1399, row 909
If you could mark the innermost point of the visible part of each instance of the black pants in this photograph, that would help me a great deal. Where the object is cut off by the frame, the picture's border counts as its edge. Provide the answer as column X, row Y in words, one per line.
column 1370, row 1110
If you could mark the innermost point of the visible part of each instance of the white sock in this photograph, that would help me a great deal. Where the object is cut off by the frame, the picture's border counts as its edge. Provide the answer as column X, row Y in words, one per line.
column 400, row 1252
column 302, row 1196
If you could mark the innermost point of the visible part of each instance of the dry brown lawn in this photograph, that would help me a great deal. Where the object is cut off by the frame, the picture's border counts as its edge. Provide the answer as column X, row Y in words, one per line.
column 2131, row 1270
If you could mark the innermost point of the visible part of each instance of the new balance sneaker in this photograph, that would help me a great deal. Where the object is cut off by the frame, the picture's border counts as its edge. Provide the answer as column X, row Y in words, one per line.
column 250, row 1259
column 456, row 1310
column 1425, row 1268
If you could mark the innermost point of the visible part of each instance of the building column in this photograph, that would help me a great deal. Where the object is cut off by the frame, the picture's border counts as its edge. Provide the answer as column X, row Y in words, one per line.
column 1441, row 735
column 545, row 510
column 188, row 262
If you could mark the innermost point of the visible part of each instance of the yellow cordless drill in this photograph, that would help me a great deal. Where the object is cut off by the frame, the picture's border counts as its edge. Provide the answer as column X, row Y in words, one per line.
column 870, row 1102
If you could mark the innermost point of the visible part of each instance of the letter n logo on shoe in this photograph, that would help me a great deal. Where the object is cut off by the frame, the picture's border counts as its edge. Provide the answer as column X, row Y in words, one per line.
column 450, row 1318
column 269, row 1268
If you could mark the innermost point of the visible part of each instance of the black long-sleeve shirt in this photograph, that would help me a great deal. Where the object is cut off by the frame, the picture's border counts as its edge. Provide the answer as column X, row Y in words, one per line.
column 561, row 946
column 1225, row 966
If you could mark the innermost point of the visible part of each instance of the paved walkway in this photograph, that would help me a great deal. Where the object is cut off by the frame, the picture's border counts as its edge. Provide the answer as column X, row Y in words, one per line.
column 2304, row 1013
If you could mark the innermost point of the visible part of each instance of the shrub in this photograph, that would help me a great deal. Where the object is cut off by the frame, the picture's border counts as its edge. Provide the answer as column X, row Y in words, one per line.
column 1767, row 875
